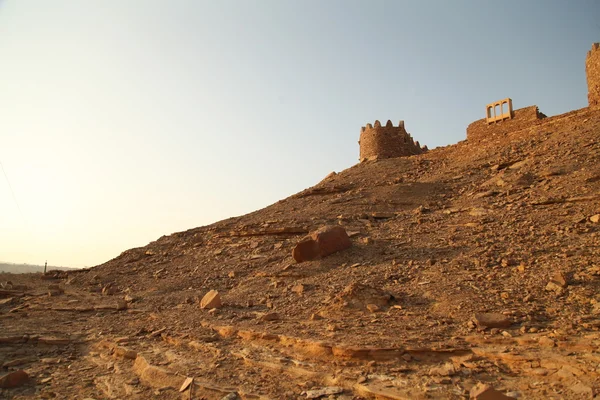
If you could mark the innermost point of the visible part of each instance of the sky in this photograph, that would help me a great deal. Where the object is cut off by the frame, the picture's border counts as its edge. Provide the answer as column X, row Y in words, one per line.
column 122, row 121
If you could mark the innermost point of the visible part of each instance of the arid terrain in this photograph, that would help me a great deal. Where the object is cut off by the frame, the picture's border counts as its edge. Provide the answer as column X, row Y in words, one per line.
column 473, row 263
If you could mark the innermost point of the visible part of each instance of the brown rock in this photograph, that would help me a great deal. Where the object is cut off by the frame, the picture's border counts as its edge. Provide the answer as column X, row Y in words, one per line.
column 123, row 352
column 299, row 288
column 595, row 218
column 486, row 392
column 492, row 320
column 54, row 340
column 272, row 316
column 560, row 279
column 154, row 376
column 306, row 250
column 373, row 307
column 554, row 287
column 55, row 290
column 546, row 342
column 321, row 243
column 211, row 300
column 109, row 290
column 445, row 370
column 13, row 379
column 121, row 305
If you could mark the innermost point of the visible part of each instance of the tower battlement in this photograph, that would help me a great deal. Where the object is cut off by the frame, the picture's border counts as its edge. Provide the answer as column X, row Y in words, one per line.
column 389, row 141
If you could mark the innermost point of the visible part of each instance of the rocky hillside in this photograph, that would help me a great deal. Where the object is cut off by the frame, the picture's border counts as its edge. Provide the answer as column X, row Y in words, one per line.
column 474, row 271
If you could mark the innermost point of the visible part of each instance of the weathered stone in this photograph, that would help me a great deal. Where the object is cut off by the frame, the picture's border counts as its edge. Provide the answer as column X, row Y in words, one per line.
column 447, row 369
column 306, row 250
column 55, row 290
column 54, row 340
column 124, row 352
column 595, row 218
column 272, row 316
column 188, row 381
column 156, row 377
column 492, row 320
column 109, row 290
column 486, row 392
column 546, row 342
column 326, row 391
column 583, row 390
column 13, row 379
column 560, row 279
column 331, row 240
column 212, row 299
column 299, row 288
column 554, row 287
column 373, row 308
column 17, row 361
column 321, row 243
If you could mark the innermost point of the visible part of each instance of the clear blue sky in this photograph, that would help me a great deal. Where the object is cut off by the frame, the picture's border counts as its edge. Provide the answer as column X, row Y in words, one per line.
column 121, row 121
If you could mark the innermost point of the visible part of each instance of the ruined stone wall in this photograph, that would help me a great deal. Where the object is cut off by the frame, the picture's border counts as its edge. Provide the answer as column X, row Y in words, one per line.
column 377, row 142
column 592, row 73
column 522, row 118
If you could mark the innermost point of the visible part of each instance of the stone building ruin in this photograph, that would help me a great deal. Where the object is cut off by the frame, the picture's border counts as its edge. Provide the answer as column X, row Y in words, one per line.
column 389, row 141
column 500, row 118
column 592, row 74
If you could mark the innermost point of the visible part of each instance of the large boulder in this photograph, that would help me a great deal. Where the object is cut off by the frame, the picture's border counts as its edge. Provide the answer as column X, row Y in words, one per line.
column 321, row 243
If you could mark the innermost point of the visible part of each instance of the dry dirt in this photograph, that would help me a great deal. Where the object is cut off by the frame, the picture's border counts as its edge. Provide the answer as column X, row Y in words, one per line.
column 438, row 240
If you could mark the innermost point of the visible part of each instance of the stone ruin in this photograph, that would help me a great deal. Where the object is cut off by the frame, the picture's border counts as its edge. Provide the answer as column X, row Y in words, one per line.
column 500, row 118
column 389, row 141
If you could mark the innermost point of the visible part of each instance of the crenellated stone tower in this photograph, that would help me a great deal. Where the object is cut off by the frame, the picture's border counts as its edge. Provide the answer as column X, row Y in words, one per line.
column 592, row 73
column 389, row 141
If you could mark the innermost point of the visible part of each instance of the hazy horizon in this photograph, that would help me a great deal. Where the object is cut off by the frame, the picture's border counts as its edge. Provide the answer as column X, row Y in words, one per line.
column 125, row 121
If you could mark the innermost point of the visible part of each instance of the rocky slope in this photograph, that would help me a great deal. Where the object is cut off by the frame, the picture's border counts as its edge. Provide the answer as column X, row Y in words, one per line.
column 472, row 263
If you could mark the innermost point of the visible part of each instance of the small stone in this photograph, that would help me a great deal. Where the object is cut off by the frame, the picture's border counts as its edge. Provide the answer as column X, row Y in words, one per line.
column 560, row 279
column 299, row 288
column 581, row 389
column 272, row 316
column 13, row 379
column 554, row 287
column 482, row 391
column 595, row 218
column 188, row 381
column 211, row 300
column 121, row 305
column 492, row 320
column 55, row 290
column 373, row 307
column 231, row 274
column 109, row 290
column 316, row 393
column 445, row 370
column 546, row 342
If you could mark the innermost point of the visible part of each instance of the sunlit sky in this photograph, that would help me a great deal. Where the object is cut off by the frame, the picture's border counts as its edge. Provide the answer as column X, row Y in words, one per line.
column 122, row 121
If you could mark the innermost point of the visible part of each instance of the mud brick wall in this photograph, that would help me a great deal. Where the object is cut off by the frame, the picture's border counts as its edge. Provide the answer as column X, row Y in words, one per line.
column 378, row 142
column 592, row 73
column 522, row 118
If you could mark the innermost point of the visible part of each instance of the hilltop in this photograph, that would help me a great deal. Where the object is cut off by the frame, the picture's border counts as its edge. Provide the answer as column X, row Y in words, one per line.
column 507, row 226
column 13, row 268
